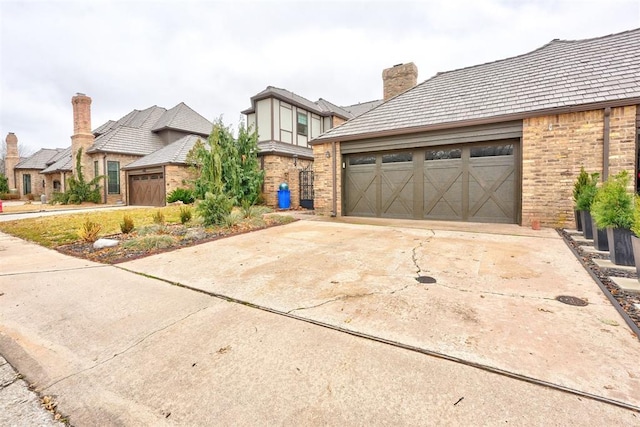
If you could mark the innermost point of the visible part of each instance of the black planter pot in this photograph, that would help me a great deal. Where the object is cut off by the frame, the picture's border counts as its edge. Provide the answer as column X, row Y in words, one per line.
column 578, row 218
column 635, row 243
column 620, row 248
column 586, row 224
column 600, row 238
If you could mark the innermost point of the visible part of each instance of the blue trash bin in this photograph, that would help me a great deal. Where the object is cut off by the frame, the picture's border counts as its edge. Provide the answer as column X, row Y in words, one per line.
column 284, row 199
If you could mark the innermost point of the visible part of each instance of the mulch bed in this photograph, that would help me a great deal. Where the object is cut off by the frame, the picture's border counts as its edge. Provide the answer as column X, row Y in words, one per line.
column 183, row 236
column 625, row 299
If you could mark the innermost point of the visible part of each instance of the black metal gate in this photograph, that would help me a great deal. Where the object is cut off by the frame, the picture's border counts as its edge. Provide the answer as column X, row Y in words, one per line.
column 306, row 188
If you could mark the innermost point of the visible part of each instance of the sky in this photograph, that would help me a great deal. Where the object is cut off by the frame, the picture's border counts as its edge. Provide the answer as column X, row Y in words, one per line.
column 215, row 55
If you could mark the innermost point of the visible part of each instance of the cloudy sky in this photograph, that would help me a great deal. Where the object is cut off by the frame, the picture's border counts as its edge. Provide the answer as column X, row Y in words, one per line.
column 215, row 55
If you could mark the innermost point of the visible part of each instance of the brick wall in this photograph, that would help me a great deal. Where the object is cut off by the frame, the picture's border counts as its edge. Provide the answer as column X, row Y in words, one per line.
column 398, row 79
column 323, row 179
column 554, row 148
column 177, row 177
column 279, row 169
column 37, row 184
column 102, row 170
column 11, row 159
column 82, row 134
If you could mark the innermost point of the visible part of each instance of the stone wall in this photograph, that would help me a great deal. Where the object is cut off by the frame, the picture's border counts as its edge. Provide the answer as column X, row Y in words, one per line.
column 279, row 169
column 11, row 160
column 323, row 179
column 124, row 160
column 38, row 184
column 398, row 79
column 554, row 148
column 176, row 176
column 82, row 134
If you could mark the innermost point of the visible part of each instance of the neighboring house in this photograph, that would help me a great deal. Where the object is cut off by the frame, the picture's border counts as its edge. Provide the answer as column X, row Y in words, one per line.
column 142, row 156
column 497, row 142
column 285, row 123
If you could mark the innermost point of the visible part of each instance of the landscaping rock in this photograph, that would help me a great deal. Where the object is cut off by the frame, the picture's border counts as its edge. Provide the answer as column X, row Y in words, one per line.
column 105, row 243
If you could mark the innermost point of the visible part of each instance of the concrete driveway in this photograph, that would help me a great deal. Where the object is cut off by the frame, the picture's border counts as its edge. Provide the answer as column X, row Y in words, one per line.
column 118, row 348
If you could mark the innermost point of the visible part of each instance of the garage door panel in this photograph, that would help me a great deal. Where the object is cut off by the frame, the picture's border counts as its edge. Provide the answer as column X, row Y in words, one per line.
column 397, row 190
column 491, row 189
column 361, row 190
column 443, row 189
column 146, row 190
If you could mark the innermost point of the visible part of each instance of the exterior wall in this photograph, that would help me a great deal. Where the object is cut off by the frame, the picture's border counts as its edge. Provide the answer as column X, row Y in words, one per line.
column 263, row 118
column 336, row 121
column 554, row 148
column 323, row 179
column 102, row 168
column 38, row 183
column 176, row 176
column 49, row 179
column 279, row 169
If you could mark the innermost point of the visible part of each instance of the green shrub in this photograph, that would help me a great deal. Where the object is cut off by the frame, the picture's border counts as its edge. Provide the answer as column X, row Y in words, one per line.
column 126, row 226
column 214, row 209
column 612, row 205
column 80, row 190
column 582, row 181
column 635, row 227
column 158, row 218
column 185, row 214
column 588, row 189
column 4, row 184
column 89, row 231
column 232, row 219
column 185, row 195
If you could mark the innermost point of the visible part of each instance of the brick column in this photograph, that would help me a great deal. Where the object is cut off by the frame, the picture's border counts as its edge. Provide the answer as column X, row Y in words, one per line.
column 82, row 134
column 11, row 160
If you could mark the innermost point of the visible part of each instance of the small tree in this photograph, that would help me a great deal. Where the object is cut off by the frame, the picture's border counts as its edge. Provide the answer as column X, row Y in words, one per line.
column 581, row 182
column 613, row 204
column 4, row 184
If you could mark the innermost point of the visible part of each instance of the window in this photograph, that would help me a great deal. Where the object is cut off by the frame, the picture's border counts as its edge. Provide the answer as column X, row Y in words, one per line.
column 56, row 185
column 454, row 153
column 492, row 150
column 26, row 183
column 397, row 157
column 362, row 160
column 96, row 171
column 113, row 177
column 302, row 124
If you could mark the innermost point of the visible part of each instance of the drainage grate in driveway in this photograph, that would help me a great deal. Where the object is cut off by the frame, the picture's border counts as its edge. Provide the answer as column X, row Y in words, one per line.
column 572, row 300
column 425, row 279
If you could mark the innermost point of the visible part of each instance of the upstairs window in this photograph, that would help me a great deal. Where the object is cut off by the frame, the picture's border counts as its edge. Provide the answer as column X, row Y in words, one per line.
column 113, row 177
column 302, row 124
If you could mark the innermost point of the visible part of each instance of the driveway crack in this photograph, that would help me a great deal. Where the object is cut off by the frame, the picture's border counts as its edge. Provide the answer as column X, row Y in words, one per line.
column 135, row 344
column 340, row 298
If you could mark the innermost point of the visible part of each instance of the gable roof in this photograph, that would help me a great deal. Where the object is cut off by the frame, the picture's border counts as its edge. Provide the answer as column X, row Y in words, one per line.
column 175, row 153
column 559, row 76
column 322, row 107
column 182, row 117
column 40, row 159
column 60, row 163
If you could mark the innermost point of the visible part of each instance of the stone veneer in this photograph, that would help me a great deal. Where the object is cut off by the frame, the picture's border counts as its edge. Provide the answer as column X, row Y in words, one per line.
column 554, row 148
column 279, row 169
column 398, row 79
column 323, row 179
column 176, row 176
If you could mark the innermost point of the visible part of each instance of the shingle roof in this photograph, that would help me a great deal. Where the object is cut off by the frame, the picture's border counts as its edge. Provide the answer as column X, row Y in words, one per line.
column 61, row 162
column 362, row 107
column 558, row 75
column 40, row 159
column 329, row 107
column 181, row 117
column 104, row 128
column 175, row 153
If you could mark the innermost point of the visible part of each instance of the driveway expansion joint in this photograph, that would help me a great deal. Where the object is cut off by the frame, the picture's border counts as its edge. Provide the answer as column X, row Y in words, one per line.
column 57, row 270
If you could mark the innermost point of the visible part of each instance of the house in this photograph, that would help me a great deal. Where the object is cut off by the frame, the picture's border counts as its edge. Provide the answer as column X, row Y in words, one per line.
column 497, row 142
column 285, row 123
column 142, row 155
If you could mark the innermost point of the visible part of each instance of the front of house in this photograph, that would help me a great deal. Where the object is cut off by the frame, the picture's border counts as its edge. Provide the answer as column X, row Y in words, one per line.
column 497, row 142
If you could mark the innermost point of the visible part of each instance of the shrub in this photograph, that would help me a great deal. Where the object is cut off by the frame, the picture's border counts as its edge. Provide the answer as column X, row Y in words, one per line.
column 9, row 196
column 126, row 226
column 80, row 190
column 4, row 184
column 232, row 219
column 89, row 231
column 185, row 214
column 158, row 218
column 587, row 192
column 635, row 227
column 185, row 195
column 150, row 242
column 612, row 205
column 581, row 182
column 31, row 197
column 214, row 208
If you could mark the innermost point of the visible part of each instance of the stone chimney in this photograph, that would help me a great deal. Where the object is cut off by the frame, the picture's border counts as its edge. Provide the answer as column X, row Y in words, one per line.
column 82, row 134
column 11, row 160
column 398, row 79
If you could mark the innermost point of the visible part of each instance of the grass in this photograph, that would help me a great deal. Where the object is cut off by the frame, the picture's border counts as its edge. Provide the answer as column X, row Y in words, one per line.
column 59, row 230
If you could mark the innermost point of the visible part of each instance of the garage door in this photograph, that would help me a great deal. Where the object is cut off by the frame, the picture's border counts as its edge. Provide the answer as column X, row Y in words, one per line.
column 472, row 182
column 146, row 190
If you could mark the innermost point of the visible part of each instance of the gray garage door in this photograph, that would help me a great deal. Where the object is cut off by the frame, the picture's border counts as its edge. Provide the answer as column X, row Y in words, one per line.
column 473, row 182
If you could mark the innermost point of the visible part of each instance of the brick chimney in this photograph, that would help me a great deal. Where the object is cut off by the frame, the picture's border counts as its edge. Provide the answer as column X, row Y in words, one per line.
column 82, row 134
column 398, row 79
column 11, row 159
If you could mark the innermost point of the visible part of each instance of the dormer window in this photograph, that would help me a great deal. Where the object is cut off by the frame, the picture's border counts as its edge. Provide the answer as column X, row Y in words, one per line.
column 302, row 124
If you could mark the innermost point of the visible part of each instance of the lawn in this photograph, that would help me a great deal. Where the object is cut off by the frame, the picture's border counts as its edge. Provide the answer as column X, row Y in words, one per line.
column 149, row 235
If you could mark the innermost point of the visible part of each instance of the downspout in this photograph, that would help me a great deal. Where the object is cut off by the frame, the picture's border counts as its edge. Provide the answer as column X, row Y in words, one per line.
column 605, row 143
column 334, row 212
column 104, row 173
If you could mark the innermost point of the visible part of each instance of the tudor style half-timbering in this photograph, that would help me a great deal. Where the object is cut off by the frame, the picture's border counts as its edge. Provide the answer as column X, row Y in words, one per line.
column 496, row 142
column 285, row 123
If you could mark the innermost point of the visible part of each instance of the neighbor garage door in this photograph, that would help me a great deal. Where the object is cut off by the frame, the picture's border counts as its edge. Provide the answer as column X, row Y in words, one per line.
column 147, row 189
column 464, row 182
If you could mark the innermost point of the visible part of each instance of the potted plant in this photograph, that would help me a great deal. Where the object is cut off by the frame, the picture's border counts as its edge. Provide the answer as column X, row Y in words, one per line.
column 612, row 208
column 584, row 199
column 635, row 237
column 581, row 181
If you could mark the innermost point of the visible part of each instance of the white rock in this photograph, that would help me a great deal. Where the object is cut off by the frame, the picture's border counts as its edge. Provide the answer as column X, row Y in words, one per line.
column 105, row 243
